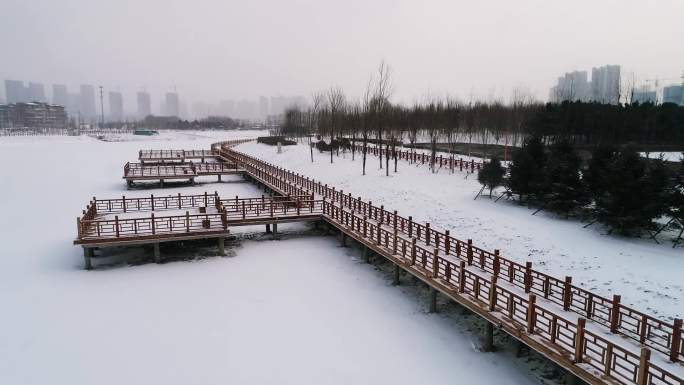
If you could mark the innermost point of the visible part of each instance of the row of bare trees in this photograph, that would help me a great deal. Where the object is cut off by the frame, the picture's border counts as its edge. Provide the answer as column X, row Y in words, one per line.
column 480, row 126
column 374, row 120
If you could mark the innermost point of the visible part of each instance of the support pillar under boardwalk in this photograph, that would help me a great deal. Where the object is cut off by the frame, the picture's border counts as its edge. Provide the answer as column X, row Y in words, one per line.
column 87, row 255
column 433, row 300
column 488, row 337
column 221, row 246
column 366, row 254
column 268, row 228
column 397, row 270
column 275, row 231
column 157, row 254
column 343, row 239
column 219, row 177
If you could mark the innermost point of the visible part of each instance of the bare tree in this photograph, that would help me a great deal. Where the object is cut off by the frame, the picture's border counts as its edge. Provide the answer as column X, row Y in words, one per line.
column 336, row 102
column 317, row 101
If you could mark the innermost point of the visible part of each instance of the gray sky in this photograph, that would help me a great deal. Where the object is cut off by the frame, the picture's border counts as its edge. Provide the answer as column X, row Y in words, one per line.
column 212, row 49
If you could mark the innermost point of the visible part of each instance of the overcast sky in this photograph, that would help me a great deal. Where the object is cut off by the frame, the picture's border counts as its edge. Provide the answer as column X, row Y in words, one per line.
column 219, row 49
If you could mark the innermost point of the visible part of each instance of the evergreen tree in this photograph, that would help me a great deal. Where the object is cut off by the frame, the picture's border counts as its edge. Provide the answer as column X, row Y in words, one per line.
column 595, row 176
column 636, row 193
column 527, row 170
column 676, row 199
column 566, row 191
column 491, row 175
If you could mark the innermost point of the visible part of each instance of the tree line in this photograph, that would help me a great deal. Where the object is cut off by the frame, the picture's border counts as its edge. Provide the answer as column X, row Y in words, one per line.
column 617, row 187
column 442, row 123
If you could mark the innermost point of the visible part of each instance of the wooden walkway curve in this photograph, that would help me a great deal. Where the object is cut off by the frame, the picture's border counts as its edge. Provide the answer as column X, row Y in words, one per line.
column 598, row 339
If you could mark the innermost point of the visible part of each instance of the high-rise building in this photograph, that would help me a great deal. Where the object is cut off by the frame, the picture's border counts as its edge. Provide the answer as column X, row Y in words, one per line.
column 572, row 86
column 5, row 116
column 674, row 94
column 33, row 115
column 87, row 102
column 60, row 95
column 115, row 106
column 643, row 95
column 172, row 104
column 36, row 92
column 605, row 84
column 15, row 91
column 263, row 107
column 144, row 104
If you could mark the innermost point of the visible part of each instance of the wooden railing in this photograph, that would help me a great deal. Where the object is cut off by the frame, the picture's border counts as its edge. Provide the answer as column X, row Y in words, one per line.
column 154, row 203
column 662, row 336
column 173, row 154
column 450, row 162
column 140, row 170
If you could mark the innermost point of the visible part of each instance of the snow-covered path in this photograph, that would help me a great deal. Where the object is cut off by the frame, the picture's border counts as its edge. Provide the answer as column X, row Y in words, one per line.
column 647, row 275
column 295, row 311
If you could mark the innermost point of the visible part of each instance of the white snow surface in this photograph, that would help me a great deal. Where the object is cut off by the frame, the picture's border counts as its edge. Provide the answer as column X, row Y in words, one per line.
column 646, row 274
column 295, row 311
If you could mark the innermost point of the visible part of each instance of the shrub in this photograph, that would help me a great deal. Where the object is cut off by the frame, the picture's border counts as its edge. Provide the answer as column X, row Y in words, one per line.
column 491, row 175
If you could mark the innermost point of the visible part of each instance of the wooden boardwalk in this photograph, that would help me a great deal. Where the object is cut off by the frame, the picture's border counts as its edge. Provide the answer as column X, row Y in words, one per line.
column 598, row 339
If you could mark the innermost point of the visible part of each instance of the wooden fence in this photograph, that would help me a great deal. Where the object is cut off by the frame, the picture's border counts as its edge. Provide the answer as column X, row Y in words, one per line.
column 451, row 162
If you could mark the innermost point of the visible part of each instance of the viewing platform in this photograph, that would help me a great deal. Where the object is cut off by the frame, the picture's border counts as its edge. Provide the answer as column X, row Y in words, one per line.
column 137, row 172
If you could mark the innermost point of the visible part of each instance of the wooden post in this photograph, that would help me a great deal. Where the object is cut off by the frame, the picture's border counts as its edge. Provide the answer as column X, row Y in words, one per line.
column 413, row 251
column 446, row 241
column 461, row 278
column 87, row 255
column 488, row 337
column 644, row 358
column 435, row 264
column 579, row 340
column 609, row 360
column 676, row 339
column 496, row 265
column 433, row 300
column 366, row 254
column 116, row 225
column 528, row 276
column 157, row 254
column 567, row 293
column 492, row 294
column 396, row 275
column 470, row 252
column 221, row 246
column 615, row 314
column 531, row 313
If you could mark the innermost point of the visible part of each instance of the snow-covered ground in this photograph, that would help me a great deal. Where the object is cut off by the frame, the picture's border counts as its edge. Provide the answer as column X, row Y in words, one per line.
column 647, row 275
column 668, row 156
column 301, row 310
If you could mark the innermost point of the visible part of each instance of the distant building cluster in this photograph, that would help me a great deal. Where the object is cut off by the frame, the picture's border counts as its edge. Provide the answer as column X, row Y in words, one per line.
column 33, row 115
column 603, row 87
column 674, row 94
column 262, row 109
column 84, row 104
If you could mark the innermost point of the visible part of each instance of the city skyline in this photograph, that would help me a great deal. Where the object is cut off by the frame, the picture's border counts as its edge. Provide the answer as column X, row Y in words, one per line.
column 433, row 47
